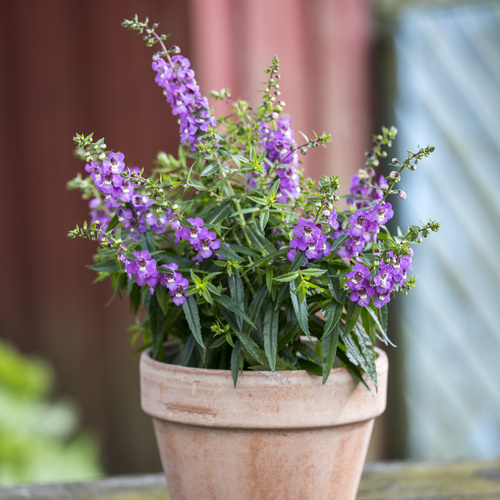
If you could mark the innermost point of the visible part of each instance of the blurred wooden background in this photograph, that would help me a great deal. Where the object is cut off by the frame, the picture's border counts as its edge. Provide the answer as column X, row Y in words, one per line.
column 68, row 67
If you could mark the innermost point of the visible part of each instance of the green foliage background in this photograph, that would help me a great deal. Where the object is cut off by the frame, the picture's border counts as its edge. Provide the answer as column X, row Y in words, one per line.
column 39, row 438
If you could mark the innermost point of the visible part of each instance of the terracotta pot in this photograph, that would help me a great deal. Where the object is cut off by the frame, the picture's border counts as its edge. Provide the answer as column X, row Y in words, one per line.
column 276, row 436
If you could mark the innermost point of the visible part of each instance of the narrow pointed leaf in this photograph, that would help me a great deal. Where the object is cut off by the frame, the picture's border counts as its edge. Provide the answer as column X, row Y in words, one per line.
column 237, row 292
column 353, row 310
column 300, row 309
column 329, row 350
column 193, row 318
column 237, row 360
column 333, row 314
column 263, row 218
column 270, row 332
column 232, row 306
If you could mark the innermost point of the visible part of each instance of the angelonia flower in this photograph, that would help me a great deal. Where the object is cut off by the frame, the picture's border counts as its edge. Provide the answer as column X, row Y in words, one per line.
column 202, row 239
column 363, row 227
column 365, row 190
column 116, row 182
column 365, row 286
column 175, row 283
column 143, row 269
column 281, row 149
column 183, row 94
column 310, row 239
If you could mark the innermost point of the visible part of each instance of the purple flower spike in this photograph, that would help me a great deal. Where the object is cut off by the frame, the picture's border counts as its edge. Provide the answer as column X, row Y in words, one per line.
column 183, row 95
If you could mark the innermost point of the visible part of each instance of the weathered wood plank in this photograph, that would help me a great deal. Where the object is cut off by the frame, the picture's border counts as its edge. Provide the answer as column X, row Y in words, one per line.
column 143, row 487
column 433, row 481
column 398, row 481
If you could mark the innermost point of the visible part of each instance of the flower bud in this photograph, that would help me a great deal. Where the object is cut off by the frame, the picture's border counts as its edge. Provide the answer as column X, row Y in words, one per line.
column 175, row 49
column 401, row 195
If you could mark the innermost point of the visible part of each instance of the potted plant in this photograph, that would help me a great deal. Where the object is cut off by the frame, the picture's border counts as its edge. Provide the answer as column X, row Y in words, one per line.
column 249, row 282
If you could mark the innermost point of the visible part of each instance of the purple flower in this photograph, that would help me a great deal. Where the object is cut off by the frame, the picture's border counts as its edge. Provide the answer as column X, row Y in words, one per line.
column 175, row 283
column 383, row 212
column 281, row 149
column 366, row 190
column 207, row 242
column 144, row 269
column 183, row 94
column 359, row 277
column 190, row 234
column 380, row 299
column 331, row 217
column 362, row 295
column 310, row 239
column 201, row 238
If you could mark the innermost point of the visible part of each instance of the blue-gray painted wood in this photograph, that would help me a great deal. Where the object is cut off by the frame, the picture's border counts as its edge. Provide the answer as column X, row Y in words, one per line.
column 448, row 66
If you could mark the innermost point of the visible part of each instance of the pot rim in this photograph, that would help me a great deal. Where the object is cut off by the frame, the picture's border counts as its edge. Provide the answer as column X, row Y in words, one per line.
column 261, row 399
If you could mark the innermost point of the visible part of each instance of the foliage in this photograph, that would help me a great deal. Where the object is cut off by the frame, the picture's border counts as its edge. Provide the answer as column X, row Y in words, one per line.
column 227, row 247
column 38, row 439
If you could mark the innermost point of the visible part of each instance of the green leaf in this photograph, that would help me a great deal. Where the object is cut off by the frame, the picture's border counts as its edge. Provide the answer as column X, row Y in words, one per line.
column 218, row 214
column 332, row 281
column 163, row 299
column 156, row 322
column 188, row 349
column 112, row 223
column 333, row 314
column 245, row 211
column 338, row 242
column 269, row 278
column 252, row 348
column 193, row 318
column 383, row 317
column 360, row 350
column 287, row 277
column 245, row 250
column 329, row 350
column 313, row 271
column 263, row 218
column 232, row 306
column 298, row 261
column 353, row 310
column 107, row 266
column 300, row 309
column 255, row 307
column 237, row 361
column 289, row 331
column 383, row 333
column 270, row 332
column 210, row 169
column 237, row 292
column 228, row 254
column 256, row 199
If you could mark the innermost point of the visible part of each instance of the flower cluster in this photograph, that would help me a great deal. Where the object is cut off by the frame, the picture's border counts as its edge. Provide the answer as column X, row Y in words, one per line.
column 202, row 239
column 310, row 239
column 363, row 227
column 143, row 269
column 117, row 183
column 281, row 149
column 183, row 94
column 255, row 259
column 380, row 283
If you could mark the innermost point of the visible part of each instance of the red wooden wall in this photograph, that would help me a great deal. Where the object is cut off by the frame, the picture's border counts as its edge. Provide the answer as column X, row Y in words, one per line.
column 68, row 67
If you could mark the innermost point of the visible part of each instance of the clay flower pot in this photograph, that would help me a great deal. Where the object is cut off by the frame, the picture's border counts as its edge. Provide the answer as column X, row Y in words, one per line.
column 276, row 436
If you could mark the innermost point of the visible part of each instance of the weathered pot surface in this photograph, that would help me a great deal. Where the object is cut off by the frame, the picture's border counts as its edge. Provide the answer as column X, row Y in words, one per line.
column 280, row 435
